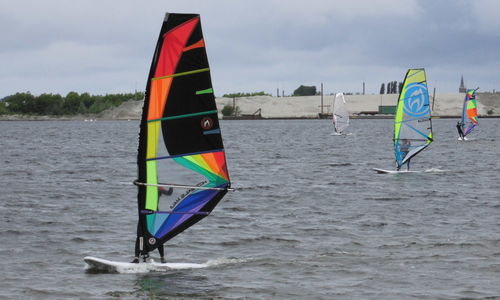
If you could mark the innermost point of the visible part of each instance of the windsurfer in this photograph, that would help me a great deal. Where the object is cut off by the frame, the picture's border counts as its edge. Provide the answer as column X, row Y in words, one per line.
column 161, row 250
column 405, row 148
column 460, row 132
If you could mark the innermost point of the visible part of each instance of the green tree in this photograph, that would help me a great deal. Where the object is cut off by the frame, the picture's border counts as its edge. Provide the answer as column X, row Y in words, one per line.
column 229, row 110
column 87, row 100
column 72, row 103
column 304, row 90
column 138, row 96
column 3, row 108
column 20, row 103
column 48, row 104
column 101, row 103
column 382, row 89
column 237, row 95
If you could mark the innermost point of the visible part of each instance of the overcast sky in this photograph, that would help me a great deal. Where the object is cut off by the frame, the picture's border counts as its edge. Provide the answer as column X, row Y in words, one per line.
column 106, row 46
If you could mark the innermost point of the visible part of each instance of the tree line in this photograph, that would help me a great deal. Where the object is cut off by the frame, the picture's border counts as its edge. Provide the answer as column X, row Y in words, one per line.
column 71, row 104
column 393, row 87
column 302, row 90
column 237, row 95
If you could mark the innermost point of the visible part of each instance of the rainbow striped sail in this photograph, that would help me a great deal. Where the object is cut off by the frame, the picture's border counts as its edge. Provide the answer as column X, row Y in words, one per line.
column 412, row 122
column 182, row 172
column 469, row 114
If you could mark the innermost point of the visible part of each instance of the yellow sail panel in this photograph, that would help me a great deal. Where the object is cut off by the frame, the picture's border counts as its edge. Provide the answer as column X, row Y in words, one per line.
column 198, row 160
column 151, row 152
column 153, row 135
column 151, row 191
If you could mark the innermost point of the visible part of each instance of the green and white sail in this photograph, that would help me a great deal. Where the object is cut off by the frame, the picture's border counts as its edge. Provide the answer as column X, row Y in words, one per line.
column 412, row 123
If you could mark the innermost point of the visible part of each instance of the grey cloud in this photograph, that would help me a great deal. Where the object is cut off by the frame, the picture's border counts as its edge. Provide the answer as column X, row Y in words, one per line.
column 252, row 45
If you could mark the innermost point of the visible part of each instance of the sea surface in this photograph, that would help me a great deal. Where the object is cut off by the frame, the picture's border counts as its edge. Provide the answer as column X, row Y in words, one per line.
column 310, row 219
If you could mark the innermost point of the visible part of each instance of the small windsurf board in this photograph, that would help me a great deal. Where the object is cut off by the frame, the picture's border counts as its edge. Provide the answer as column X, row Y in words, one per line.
column 104, row 265
column 382, row 171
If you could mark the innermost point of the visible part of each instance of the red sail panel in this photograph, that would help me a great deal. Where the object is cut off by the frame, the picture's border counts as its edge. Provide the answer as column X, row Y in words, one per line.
column 174, row 42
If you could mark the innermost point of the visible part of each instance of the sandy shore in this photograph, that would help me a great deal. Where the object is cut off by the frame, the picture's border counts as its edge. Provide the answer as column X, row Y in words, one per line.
column 309, row 107
column 299, row 107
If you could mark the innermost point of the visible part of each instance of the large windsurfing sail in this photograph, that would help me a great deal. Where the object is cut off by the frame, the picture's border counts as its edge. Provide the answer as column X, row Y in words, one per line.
column 469, row 114
column 182, row 172
column 412, row 122
column 340, row 113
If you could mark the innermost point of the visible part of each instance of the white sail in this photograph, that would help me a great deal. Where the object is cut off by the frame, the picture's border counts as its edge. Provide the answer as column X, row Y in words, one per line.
column 340, row 114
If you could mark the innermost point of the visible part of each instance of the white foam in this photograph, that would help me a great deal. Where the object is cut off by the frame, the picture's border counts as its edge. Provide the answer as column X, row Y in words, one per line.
column 225, row 261
column 435, row 170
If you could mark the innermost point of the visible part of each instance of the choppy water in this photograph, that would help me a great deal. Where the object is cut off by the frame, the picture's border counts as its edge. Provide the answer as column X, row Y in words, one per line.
column 309, row 220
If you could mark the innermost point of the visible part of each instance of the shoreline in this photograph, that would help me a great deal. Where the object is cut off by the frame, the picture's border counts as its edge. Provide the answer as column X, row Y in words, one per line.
column 296, row 108
column 17, row 118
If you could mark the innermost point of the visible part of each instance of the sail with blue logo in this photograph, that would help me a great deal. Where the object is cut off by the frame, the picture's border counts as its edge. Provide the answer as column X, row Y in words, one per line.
column 412, row 122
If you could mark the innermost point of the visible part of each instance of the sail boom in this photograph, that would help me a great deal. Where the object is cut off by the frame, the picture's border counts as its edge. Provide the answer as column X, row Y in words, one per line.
column 182, row 186
column 411, row 120
column 145, row 211
column 184, row 116
column 415, row 139
column 184, row 154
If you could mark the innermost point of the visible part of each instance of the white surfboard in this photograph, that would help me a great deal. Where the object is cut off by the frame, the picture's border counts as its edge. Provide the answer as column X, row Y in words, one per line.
column 104, row 265
column 382, row 171
column 340, row 134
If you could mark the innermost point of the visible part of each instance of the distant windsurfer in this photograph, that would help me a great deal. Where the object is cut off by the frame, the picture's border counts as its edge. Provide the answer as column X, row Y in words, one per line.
column 405, row 148
column 460, row 131
column 140, row 240
column 335, row 120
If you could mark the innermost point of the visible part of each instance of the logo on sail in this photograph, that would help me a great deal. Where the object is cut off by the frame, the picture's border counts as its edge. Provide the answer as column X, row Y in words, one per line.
column 207, row 123
column 416, row 101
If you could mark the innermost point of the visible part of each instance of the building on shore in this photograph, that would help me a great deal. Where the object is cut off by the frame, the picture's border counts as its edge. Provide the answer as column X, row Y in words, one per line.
column 462, row 88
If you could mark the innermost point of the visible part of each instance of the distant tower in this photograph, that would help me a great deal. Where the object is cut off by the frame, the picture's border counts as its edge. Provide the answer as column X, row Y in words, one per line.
column 462, row 88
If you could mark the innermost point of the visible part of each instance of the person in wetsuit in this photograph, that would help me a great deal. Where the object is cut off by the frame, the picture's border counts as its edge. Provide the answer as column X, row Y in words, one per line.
column 138, row 251
column 161, row 250
column 460, row 132
column 405, row 148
